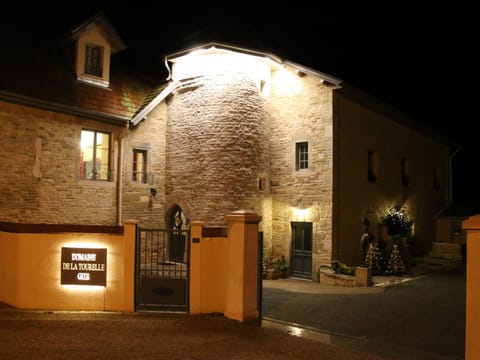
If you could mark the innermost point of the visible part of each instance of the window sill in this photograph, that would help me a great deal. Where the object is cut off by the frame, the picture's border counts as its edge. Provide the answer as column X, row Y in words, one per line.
column 97, row 82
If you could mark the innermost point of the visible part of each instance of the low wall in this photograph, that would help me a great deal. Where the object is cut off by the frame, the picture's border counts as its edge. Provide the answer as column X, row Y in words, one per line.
column 224, row 267
column 31, row 267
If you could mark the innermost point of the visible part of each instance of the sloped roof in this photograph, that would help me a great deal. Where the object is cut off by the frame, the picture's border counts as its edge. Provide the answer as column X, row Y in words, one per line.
column 262, row 54
column 50, row 82
column 460, row 210
column 374, row 103
column 214, row 46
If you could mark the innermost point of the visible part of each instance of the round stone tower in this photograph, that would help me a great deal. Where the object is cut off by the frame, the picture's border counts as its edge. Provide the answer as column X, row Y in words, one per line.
column 217, row 156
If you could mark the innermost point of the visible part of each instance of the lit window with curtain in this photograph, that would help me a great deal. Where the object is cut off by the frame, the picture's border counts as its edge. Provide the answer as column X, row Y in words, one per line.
column 139, row 166
column 95, row 155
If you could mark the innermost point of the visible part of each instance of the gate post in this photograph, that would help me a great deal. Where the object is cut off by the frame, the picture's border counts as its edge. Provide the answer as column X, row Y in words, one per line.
column 195, row 268
column 472, row 323
column 242, row 266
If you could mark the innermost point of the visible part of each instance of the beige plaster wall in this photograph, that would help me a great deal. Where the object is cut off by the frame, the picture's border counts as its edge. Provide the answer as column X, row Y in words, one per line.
column 359, row 129
column 30, row 271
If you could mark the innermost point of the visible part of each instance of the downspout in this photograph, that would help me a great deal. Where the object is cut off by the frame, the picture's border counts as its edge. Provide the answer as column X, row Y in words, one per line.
column 119, row 181
column 169, row 77
column 335, row 173
column 450, row 180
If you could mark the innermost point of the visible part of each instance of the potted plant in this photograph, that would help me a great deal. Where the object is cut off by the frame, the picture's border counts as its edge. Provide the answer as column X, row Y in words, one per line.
column 270, row 270
column 282, row 266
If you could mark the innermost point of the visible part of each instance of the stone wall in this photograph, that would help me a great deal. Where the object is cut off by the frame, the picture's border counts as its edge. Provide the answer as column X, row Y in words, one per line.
column 137, row 200
column 40, row 153
column 301, row 110
column 217, row 146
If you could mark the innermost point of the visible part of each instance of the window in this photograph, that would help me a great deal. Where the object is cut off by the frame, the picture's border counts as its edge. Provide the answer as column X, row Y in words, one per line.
column 95, row 155
column 436, row 179
column 372, row 166
column 262, row 184
column 139, row 167
column 301, row 156
column 93, row 60
column 405, row 178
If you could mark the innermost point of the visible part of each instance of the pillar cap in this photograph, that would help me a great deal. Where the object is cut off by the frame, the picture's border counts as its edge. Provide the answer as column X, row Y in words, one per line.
column 472, row 223
column 244, row 216
column 130, row 221
column 196, row 222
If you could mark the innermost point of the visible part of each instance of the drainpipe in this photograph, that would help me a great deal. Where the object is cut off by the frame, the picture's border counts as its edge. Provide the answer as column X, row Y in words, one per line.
column 119, row 181
column 450, row 180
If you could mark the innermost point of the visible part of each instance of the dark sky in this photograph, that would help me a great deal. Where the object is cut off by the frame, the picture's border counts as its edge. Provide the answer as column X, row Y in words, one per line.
column 418, row 58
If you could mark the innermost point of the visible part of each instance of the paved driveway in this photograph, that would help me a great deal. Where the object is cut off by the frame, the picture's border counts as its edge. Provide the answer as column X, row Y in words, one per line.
column 422, row 318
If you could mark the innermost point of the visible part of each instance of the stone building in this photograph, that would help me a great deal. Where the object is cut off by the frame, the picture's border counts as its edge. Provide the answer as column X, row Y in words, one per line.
column 87, row 140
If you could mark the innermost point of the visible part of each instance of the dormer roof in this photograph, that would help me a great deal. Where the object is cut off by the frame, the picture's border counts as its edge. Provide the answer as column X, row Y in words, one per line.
column 116, row 41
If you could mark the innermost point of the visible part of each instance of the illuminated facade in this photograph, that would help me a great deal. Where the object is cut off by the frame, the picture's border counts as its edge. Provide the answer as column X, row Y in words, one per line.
column 232, row 128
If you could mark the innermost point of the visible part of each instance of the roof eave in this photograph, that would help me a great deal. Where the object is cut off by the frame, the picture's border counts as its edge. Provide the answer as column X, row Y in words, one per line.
column 63, row 108
column 157, row 100
column 330, row 80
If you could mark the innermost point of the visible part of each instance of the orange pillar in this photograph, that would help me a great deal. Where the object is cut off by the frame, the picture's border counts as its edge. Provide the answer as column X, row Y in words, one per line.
column 472, row 321
column 195, row 294
column 241, row 296
column 129, row 239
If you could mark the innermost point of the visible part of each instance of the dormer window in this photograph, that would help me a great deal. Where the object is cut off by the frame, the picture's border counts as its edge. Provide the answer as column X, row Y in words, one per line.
column 96, row 41
column 93, row 60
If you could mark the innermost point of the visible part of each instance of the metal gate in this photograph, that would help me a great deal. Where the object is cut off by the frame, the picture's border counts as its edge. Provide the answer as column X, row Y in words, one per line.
column 162, row 269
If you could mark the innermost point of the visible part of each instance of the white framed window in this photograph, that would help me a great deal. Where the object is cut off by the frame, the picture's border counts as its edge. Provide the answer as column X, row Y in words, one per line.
column 301, row 155
column 139, row 166
column 94, row 60
column 95, row 155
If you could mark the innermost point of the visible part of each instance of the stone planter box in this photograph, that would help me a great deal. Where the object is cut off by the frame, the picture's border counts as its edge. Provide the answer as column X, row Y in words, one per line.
column 363, row 277
column 328, row 277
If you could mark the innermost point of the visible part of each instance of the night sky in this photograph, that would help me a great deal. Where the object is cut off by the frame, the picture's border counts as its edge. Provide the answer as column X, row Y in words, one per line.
column 417, row 58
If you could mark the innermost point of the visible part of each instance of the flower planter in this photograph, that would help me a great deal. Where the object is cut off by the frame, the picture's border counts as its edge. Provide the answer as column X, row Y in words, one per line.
column 363, row 276
column 272, row 274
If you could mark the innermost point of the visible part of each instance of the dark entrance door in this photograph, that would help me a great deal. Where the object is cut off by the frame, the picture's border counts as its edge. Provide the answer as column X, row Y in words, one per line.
column 301, row 249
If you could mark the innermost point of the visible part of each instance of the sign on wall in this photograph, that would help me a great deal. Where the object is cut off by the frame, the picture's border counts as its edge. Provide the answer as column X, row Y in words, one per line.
column 83, row 266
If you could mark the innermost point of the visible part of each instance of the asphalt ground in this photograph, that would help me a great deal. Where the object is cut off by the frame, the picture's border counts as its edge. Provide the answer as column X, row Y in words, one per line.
column 421, row 317
column 409, row 318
